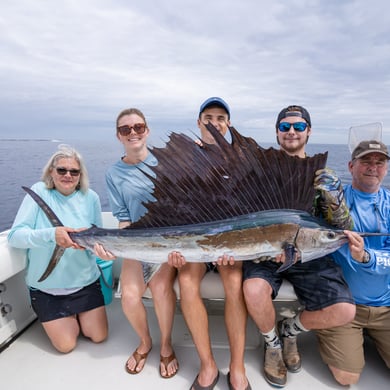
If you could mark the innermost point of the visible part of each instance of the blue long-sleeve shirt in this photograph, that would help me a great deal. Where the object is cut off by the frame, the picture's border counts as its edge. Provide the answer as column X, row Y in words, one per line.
column 33, row 231
column 128, row 187
column 369, row 282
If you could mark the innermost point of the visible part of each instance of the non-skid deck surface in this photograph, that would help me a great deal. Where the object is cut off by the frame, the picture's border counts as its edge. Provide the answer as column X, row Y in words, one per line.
column 31, row 363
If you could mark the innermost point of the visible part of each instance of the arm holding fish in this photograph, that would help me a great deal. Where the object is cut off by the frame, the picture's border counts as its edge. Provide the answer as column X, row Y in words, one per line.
column 330, row 198
column 104, row 254
column 282, row 257
column 31, row 229
column 26, row 237
column 176, row 259
column 62, row 237
column 225, row 260
column 361, row 253
column 356, row 247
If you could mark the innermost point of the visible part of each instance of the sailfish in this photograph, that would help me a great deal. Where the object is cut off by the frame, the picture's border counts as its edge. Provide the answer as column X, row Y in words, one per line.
column 233, row 198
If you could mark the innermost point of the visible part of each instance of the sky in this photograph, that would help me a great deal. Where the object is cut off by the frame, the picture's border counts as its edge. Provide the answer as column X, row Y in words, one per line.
column 69, row 67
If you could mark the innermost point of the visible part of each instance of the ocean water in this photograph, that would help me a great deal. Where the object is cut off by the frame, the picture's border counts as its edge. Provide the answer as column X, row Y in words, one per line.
column 21, row 163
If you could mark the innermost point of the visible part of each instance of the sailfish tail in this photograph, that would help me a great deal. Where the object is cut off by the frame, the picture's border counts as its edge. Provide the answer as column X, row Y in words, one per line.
column 55, row 221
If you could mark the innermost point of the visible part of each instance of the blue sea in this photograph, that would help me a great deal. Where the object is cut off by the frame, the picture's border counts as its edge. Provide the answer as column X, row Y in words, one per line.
column 21, row 163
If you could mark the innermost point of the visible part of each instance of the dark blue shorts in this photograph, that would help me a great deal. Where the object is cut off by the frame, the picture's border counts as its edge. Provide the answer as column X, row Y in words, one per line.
column 51, row 307
column 318, row 283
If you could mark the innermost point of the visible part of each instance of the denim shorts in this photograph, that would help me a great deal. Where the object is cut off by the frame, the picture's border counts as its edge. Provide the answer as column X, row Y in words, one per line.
column 51, row 307
column 317, row 283
column 149, row 270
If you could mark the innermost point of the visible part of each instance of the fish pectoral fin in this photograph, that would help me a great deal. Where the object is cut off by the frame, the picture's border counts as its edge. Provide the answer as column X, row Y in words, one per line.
column 289, row 252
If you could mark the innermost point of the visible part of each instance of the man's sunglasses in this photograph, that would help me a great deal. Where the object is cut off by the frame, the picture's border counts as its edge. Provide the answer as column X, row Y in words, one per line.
column 64, row 171
column 139, row 128
column 298, row 126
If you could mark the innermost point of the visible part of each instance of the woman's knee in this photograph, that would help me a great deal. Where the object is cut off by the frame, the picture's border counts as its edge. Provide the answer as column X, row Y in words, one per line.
column 99, row 337
column 130, row 295
column 65, row 344
column 161, row 289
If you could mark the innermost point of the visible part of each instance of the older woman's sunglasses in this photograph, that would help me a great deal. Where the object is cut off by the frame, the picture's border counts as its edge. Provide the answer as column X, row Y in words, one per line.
column 286, row 126
column 139, row 128
column 63, row 171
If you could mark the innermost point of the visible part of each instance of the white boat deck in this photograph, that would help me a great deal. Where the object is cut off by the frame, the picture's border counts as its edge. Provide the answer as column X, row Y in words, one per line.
column 31, row 362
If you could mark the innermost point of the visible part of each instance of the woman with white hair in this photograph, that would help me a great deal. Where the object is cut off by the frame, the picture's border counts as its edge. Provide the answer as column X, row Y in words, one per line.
column 69, row 300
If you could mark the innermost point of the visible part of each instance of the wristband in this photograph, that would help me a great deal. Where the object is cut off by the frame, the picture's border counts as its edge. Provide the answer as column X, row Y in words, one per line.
column 366, row 257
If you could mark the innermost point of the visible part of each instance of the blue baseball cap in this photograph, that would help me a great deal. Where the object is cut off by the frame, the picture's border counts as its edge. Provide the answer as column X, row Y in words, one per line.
column 215, row 101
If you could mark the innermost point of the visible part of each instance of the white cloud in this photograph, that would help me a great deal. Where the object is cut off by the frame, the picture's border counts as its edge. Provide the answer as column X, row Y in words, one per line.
column 69, row 65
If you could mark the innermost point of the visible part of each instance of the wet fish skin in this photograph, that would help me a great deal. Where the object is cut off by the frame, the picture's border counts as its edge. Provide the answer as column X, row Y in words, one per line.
column 261, row 235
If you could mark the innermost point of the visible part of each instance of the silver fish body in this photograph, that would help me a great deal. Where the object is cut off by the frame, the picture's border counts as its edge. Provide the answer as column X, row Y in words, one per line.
column 260, row 235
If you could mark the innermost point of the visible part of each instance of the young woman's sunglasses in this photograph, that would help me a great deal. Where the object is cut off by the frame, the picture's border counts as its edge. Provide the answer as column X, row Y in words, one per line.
column 63, row 171
column 298, row 126
column 139, row 128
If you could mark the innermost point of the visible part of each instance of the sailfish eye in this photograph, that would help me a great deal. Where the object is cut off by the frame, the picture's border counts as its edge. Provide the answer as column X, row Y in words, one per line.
column 331, row 234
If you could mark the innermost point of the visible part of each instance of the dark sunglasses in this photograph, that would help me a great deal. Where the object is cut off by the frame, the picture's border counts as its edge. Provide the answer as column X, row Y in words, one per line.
column 139, row 128
column 64, row 171
column 286, row 126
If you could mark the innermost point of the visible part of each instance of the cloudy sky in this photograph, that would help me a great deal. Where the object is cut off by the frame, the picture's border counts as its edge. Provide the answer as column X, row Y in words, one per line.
column 68, row 67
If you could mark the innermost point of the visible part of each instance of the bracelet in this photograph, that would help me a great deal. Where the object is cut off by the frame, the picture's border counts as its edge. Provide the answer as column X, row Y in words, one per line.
column 366, row 257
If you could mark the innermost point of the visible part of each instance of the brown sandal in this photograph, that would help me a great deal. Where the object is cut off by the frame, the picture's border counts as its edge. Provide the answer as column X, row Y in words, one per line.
column 165, row 360
column 138, row 357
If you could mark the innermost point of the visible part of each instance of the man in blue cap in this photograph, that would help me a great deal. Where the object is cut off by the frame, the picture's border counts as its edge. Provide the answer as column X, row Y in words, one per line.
column 215, row 111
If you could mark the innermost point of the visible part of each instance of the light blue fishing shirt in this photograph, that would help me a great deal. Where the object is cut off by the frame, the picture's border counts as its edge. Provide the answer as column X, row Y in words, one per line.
column 369, row 282
column 128, row 187
column 33, row 231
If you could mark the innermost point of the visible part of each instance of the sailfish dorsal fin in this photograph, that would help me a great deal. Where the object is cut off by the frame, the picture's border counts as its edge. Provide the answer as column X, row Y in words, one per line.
column 211, row 182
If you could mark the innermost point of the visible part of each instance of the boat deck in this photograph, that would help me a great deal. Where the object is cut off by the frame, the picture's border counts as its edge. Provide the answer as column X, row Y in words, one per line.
column 30, row 362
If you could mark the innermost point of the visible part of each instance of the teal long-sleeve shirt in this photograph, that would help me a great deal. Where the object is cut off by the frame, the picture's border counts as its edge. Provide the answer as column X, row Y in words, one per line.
column 33, row 231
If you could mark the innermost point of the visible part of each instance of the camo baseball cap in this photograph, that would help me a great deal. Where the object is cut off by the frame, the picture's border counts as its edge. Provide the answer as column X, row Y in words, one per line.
column 367, row 147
